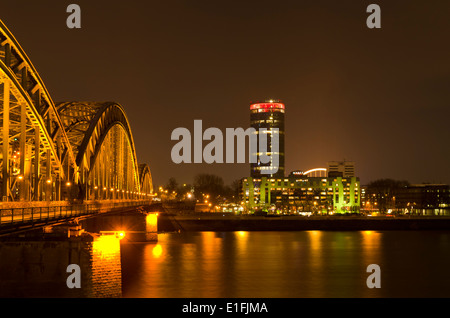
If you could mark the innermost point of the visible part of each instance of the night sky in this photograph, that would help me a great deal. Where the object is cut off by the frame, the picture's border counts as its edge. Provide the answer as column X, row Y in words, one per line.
column 379, row 97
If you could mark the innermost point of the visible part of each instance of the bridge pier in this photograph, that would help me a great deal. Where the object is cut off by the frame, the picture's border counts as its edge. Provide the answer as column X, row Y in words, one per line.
column 151, row 227
column 31, row 265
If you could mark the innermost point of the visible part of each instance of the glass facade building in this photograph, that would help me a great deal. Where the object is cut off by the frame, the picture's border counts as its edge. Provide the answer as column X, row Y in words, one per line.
column 268, row 115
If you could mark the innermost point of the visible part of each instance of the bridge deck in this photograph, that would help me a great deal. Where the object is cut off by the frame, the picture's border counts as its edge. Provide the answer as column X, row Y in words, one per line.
column 25, row 218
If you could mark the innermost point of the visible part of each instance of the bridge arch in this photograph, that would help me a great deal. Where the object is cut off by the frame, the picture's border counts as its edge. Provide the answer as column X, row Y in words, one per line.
column 145, row 177
column 101, row 137
column 33, row 143
column 59, row 151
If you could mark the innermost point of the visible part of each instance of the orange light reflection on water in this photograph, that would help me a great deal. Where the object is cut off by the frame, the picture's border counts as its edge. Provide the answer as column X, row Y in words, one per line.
column 106, row 245
column 371, row 241
column 106, row 266
column 157, row 251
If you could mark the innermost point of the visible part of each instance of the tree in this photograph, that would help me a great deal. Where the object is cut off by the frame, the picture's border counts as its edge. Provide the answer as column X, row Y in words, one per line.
column 172, row 185
column 209, row 185
column 232, row 193
column 170, row 191
column 383, row 191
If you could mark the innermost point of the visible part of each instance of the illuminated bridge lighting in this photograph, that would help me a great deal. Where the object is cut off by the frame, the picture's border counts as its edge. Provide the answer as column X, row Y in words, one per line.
column 87, row 144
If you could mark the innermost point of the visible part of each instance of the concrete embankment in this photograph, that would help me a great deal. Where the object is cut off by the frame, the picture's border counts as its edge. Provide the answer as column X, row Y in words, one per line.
column 295, row 223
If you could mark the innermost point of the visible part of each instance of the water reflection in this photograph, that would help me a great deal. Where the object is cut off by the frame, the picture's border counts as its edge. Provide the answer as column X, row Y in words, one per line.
column 37, row 267
column 370, row 244
column 157, row 251
column 106, row 267
column 279, row 264
column 230, row 265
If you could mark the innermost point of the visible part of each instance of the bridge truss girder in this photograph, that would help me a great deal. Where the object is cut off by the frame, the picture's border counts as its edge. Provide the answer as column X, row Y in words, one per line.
column 33, row 145
column 145, row 178
column 55, row 152
column 105, row 155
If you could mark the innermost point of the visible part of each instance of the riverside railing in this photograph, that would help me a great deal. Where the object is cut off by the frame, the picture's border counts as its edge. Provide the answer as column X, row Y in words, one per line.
column 24, row 215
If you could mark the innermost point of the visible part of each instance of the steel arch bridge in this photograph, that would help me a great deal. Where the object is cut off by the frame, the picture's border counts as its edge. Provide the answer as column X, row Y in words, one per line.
column 61, row 151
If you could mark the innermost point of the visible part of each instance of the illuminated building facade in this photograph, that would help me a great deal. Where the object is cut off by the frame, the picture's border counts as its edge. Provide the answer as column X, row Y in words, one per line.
column 302, row 194
column 268, row 115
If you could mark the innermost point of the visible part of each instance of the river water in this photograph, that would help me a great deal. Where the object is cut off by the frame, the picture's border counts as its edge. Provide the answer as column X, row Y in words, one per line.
column 287, row 264
column 252, row 264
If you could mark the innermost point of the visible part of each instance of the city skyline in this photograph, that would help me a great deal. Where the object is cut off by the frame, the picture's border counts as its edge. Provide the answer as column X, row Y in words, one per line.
column 375, row 97
column 247, row 151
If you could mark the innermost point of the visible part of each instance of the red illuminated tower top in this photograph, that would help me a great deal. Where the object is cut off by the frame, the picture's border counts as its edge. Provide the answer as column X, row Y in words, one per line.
column 267, row 107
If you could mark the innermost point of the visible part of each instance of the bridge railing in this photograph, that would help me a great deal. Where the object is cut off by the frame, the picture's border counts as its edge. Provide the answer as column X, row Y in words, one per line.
column 11, row 216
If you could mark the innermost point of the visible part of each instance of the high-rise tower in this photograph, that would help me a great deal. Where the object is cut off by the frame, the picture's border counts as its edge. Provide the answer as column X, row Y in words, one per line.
column 268, row 115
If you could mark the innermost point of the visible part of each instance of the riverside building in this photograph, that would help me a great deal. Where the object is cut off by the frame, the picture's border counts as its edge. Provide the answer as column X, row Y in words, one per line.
column 330, row 190
column 300, row 193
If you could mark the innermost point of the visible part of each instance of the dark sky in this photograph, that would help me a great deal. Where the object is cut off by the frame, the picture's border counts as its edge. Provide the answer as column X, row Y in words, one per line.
column 379, row 97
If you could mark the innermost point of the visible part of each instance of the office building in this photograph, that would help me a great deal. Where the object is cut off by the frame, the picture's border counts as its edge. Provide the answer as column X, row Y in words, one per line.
column 268, row 115
column 301, row 194
column 422, row 199
column 344, row 169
